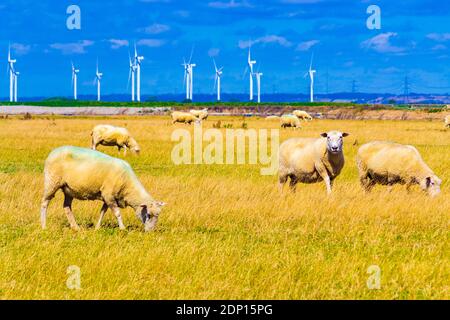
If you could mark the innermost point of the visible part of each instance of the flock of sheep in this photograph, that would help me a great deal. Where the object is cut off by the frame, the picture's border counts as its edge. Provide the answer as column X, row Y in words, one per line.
column 87, row 174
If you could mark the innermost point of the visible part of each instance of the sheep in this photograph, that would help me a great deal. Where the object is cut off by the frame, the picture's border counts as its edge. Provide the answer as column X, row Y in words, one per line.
column 311, row 160
column 302, row 115
column 108, row 135
column 447, row 121
column 86, row 174
column 290, row 121
column 389, row 163
column 184, row 117
column 200, row 114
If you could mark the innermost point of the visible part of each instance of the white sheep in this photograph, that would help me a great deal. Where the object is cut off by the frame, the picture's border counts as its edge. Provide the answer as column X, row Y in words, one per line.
column 86, row 174
column 302, row 115
column 287, row 121
column 311, row 160
column 389, row 163
column 447, row 121
column 184, row 117
column 200, row 114
column 107, row 135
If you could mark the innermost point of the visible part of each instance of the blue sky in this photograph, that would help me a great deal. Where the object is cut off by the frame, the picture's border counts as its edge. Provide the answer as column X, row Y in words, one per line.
column 414, row 40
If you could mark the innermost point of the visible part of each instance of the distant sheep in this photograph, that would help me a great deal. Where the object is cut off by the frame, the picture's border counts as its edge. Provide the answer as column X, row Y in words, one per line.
column 389, row 163
column 311, row 160
column 302, row 115
column 86, row 174
column 184, row 117
column 287, row 121
column 108, row 135
column 447, row 121
column 200, row 114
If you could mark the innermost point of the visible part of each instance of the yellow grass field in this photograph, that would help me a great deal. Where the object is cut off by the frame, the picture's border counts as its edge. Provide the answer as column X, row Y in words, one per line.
column 226, row 232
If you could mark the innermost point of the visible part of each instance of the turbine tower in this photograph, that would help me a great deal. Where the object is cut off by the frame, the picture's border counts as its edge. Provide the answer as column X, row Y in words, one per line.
column 16, row 75
column 74, row 81
column 311, row 73
column 131, row 76
column 98, row 78
column 250, row 66
column 12, row 76
column 258, row 84
column 191, row 76
column 217, row 79
column 186, row 79
column 137, row 63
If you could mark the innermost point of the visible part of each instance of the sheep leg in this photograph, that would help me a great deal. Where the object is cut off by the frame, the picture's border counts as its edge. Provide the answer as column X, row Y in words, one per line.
column 116, row 211
column 326, row 178
column 293, row 183
column 68, row 209
column 102, row 214
column 281, row 181
column 124, row 150
column 49, row 194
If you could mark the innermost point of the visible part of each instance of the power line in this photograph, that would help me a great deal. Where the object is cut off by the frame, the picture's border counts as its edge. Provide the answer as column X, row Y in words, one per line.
column 406, row 90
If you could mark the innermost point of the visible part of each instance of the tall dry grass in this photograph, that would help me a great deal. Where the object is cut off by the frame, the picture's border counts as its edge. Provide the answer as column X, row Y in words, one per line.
column 226, row 233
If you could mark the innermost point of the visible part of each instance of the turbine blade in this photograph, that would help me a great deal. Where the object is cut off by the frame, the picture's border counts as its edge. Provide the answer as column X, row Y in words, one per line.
column 192, row 53
column 215, row 66
column 129, row 78
column 215, row 82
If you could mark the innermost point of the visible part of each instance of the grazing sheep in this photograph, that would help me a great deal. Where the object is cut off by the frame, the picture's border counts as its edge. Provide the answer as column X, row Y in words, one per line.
column 310, row 160
column 184, row 117
column 86, row 174
column 200, row 114
column 389, row 163
column 290, row 121
column 108, row 135
column 447, row 121
column 302, row 115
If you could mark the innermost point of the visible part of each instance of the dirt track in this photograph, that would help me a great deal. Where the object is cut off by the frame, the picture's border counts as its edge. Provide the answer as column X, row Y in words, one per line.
column 319, row 111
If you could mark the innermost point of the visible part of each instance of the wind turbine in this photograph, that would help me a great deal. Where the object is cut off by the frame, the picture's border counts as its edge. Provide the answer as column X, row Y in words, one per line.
column 12, row 77
column 217, row 79
column 98, row 78
column 250, row 66
column 137, row 62
column 131, row 75
column 74, row 81
column 311, row 73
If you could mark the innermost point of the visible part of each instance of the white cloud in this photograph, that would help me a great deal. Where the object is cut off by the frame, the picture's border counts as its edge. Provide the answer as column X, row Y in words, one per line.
column 20, row 49
column 118, row 43
column 72, row 47
column 153, row 43
column 156, row 28
column 439, row 47
column 441, row 37
column 305, row 46
column 381, row 43
column 213, row 52
column 266, row 39
column 228, row 5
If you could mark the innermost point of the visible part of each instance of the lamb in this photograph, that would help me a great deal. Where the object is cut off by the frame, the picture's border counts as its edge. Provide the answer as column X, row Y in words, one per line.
column 108, row 135
column 87, row 174
column 200, row 114
column 311, row 160
column 447, row 121
column 290, row 121
column 302, row 115
column 184, row 117
column 389, row 163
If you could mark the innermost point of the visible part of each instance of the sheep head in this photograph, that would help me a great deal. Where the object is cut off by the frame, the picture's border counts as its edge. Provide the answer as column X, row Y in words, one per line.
column 149, row 213
column 335, row 141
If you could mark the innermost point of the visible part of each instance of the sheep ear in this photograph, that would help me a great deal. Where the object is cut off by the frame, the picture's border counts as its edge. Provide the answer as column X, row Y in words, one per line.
column 324, row 134
column 160, row 204
column 345, row 134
